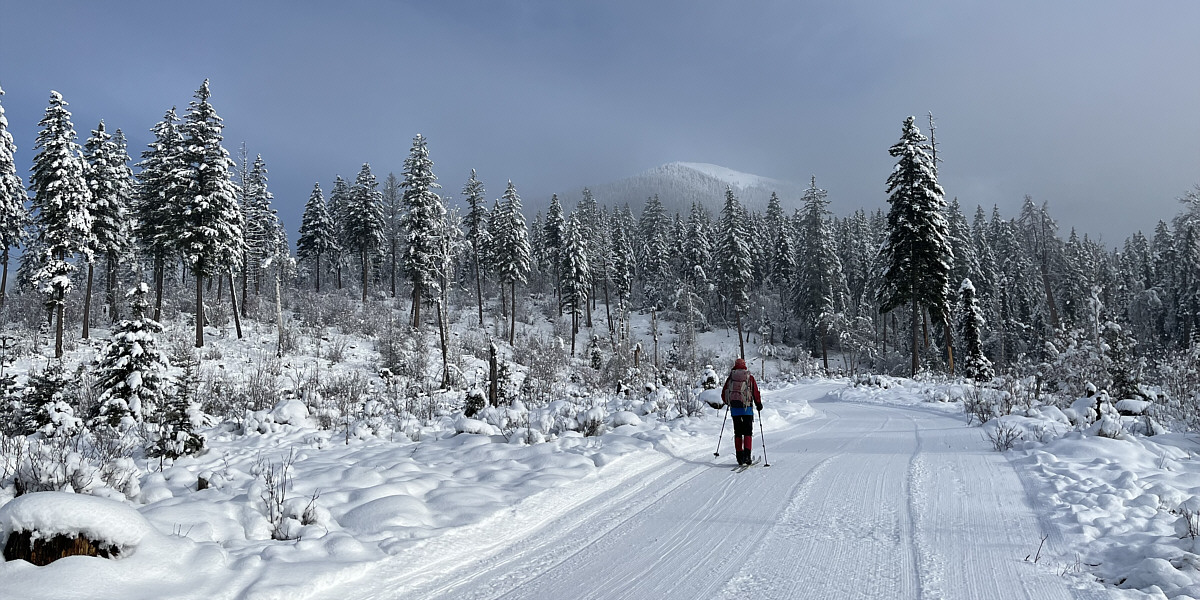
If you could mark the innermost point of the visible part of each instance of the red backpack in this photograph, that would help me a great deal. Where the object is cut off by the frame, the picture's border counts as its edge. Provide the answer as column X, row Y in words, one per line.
column 738, row 393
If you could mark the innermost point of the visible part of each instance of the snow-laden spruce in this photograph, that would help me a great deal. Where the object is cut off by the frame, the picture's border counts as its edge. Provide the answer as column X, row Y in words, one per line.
column 111, row 184
column 12, row 200
column 422, row 223
column 132, row 376
column 317, row 235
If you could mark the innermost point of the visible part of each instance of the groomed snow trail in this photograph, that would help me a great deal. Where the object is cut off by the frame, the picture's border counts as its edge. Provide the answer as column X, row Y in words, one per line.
column 861, row 501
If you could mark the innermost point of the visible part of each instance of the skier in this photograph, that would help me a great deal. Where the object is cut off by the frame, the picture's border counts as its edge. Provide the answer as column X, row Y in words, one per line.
column 741, row 395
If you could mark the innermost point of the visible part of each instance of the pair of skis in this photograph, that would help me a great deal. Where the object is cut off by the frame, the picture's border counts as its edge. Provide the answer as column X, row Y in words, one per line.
column 740, row 468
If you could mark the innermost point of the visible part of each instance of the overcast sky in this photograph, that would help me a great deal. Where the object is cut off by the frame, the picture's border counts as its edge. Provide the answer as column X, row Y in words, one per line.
column 1092, row 106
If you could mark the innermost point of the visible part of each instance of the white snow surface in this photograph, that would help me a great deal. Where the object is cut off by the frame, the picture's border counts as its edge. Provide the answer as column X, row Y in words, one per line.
column 860, row 501
column 737, row 179
column 108, row 522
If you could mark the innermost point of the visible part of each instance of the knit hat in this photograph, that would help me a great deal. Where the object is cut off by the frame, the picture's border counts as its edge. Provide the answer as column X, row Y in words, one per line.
column 739, row 363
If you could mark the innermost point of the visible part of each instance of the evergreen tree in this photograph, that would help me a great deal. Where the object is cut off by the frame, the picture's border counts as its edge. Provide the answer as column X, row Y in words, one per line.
column 511, row 249
column 157, row 204
column 111, row 188
column 477, row 233
column 208, row 227
column 970, row 330
column 576, row 275
column 735, row 271
column 132, row 377
column 821, row 287
column 49, row 403
column 393, row 213
column 424, row 213
column 553, row 239
column 172, row 427
column 339, row 211
column 12, row 200
column 260, row 229
column 61, row 199
column 652, row 251
column 316, row 236
column 624, row 263
column 364, row 229
column 917, row 250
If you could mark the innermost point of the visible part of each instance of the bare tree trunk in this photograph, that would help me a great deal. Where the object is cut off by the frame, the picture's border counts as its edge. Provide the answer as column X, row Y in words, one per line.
column 366, row 270
column 512, row 314
column 741, row 343
column 159, row 277
column 4, row 281
column 278, row 314
column 418, row 288
column 949, row 349
column 87, row 302
column 199, row 312
column 317, row 273
column 479, row 289
column 237, row 318
column 394, row 270
column 445, row 351
column 245, row 282
column 114, row 307
column 493, row 376
column 916, row 320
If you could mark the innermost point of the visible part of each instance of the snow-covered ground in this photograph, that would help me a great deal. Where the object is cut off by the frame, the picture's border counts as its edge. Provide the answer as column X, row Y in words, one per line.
column 872, row 492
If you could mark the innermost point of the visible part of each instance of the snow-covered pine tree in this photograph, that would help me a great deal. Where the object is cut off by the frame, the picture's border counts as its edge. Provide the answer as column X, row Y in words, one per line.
column 13, row 217
column 917, row 250
column 624, row 258
column 966, row 262
column 510, row 253
column 208, row 227
column 260, row 230
column 553, row 237
column 157, row 204
column 61, row 199
column 132, row 372
column 576, row 275
column 820, row 285
column 422, row 220
column 393, row 214
column 339, row 212
column 128, row 193
column 48, row 403
column 734, row 269
column 652, row 251
column 595, row 244
column 172, row 428
column 970, row 330
column 364, row 229
column 111, row 187
column 477, row 232
column 316, row 233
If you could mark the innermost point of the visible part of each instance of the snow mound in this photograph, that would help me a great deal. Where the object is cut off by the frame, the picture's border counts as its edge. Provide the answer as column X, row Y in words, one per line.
column 712, row 398
column 47, row 514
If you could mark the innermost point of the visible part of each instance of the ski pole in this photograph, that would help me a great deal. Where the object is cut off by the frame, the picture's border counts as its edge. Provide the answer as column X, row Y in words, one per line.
column 763, row 437
column 718, row 452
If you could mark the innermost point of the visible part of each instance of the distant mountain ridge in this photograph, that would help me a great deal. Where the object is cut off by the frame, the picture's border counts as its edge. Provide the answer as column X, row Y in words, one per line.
column 679, row 184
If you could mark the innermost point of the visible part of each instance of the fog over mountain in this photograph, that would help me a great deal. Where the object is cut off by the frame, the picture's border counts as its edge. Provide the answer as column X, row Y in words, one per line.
column 679, row 184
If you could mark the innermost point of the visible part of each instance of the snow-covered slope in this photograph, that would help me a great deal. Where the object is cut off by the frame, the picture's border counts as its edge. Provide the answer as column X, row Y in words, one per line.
column 679, row 184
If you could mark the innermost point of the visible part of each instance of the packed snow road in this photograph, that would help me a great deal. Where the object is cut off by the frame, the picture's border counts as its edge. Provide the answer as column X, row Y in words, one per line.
column 861, row 501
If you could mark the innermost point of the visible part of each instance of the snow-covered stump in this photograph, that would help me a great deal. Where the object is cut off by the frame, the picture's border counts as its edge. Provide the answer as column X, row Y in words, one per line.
column 43, row 527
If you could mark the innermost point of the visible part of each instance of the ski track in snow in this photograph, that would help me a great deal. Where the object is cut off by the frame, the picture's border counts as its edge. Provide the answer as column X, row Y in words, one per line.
column 860, row 502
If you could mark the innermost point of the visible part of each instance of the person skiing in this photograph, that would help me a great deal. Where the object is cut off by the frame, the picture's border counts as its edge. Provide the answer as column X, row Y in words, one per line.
column 741, row 395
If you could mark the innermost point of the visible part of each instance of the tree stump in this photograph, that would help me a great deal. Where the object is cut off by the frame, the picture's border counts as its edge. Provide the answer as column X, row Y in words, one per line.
column 42, row 551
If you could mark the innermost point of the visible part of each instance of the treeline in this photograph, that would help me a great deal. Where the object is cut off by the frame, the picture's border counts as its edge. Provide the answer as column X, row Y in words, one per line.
column 921, row 286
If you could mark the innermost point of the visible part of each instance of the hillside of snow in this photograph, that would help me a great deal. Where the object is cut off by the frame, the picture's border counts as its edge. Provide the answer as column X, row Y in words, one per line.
column 679, row 184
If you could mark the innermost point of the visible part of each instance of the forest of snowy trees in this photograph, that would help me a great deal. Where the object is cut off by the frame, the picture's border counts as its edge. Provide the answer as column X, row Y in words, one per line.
column 928, row 286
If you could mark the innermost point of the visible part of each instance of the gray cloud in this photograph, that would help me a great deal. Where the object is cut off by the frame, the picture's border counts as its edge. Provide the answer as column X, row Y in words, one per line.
column 1089, row 106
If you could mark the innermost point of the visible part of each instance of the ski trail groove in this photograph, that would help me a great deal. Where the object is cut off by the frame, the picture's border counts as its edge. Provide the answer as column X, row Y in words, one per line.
column 861, row 502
